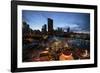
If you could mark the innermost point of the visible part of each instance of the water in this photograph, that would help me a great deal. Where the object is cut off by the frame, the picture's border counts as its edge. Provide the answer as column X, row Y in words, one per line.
column 73, row 42
column 79, row 43
column 35, row 48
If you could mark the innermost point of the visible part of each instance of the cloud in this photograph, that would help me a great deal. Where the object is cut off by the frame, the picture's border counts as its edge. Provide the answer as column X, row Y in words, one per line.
column 76, row 28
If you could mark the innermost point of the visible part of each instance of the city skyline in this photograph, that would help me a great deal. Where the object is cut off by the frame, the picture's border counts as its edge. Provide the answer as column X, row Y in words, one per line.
column 78, row 22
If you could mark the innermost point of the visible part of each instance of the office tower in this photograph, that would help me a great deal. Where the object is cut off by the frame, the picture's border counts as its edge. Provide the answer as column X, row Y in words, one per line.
column 50, row 26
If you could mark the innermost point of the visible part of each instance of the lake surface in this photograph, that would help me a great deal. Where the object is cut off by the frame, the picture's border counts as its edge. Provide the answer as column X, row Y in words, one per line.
column 36, row 47
column 75, row 43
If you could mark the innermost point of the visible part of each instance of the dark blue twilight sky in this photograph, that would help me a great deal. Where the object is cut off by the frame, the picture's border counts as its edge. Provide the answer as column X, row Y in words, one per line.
column 78, row 22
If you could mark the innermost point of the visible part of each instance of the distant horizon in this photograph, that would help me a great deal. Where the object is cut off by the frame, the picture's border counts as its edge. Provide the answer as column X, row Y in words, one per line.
column 78, row 22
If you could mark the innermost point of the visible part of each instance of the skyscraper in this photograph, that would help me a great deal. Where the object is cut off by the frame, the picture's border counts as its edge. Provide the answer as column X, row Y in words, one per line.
column 44, row 29
column 68, row 29
column 50, row 26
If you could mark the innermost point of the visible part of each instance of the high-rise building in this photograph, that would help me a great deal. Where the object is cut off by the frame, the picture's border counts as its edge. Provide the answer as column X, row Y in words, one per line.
column 25, row 28
column 68, row 29
column 44, row 29
column 50, row 26
column 59, row 29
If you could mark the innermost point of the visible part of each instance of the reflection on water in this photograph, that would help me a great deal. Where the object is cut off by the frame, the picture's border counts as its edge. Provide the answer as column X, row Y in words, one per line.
column 79, row 43
column 56, row 48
